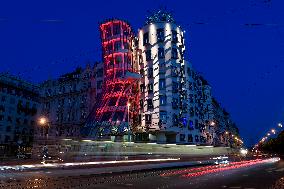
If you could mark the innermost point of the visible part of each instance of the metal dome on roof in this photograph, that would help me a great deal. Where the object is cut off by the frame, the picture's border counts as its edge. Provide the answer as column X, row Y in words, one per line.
column 159, row 16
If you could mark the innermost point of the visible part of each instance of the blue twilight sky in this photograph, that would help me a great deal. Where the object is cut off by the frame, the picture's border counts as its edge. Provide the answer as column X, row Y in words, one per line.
column 237, row 45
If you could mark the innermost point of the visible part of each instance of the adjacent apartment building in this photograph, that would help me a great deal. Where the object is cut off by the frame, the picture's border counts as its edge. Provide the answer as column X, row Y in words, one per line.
column 67, row 101
column 19, row 103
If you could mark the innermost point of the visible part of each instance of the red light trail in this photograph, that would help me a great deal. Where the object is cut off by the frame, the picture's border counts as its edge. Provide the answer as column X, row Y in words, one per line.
column 199, row 171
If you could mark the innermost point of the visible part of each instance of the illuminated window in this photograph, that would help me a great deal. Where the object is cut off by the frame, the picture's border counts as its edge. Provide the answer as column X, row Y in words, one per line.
column 163, row 100
column 146, row 38
column 150, row 88
column 162, row 84
column 190, row 126
column 163, row 116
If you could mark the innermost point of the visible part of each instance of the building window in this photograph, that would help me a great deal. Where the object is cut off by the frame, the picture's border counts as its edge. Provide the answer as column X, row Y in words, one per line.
column 148, row 55
column 118, row 59
column 99, row 84
column 146, row 38
column 161, row 53
column 190, row 126
column 140, row 59
column 163, row 100
column 117, row 45
column 196, row 138
column 100, row 72
column 162, row 84
column 163, row 116
column 116, row 29
column 190, row 138
column 175, row 120
column 3, row 98
column 150, row 104
column 174, row 53
column 174, row 36
column 175, row 103
column 174, row 71
column 25, row 121
column 150, row 88
column 160, row 35
column 196, row 124
column 9, row 119
column 2, row 109
column 142, row 72
column 8, row 129
column 175, row 87
column 12, row 101
column 148, row 118
column 141, row 103
column 150, row 72
column 182, row 137
column 142, row 88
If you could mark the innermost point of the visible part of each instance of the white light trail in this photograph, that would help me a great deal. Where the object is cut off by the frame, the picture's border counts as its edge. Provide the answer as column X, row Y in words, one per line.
column 45, row 165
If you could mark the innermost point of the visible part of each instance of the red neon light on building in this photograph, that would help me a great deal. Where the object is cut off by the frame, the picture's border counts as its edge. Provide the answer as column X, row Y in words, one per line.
column 119, row 88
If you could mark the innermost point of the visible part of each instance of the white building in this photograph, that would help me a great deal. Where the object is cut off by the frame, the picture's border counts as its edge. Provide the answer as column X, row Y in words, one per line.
column 176, row 101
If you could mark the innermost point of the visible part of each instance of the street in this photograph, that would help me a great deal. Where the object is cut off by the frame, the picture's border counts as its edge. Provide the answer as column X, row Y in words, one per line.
column 246, row 175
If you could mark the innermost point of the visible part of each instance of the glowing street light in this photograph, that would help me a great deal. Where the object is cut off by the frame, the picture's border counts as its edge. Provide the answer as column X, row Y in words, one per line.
column 273, row 131
column 42, row 121
column 280, row 125
column 212, row 123
column 268, row 134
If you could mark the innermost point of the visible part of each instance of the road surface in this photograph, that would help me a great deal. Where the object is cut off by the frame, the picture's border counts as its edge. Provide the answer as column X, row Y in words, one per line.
column 259, row 175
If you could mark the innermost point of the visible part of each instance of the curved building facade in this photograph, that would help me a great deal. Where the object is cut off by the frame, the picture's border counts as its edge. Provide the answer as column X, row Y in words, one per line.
column 163, row 93
column 120, row 89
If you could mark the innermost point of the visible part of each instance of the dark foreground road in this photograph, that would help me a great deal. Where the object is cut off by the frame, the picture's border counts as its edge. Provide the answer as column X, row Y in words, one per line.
column 248, row 176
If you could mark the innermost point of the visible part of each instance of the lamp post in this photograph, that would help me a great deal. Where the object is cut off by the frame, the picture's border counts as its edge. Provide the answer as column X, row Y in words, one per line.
column 128, row 105
column 43, row 122
column 212, row 124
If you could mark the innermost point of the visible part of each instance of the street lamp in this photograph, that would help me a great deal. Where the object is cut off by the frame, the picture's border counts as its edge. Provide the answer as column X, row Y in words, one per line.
column 273, row 131
column 212, row 123
column 128, row 105
column 280, row 125
column 43, row 122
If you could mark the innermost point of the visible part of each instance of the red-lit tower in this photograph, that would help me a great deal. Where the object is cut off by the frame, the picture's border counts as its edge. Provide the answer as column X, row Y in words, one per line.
column 120, row 82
